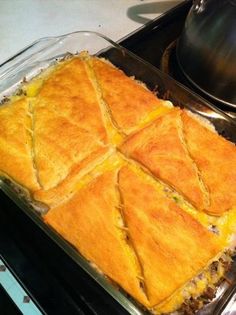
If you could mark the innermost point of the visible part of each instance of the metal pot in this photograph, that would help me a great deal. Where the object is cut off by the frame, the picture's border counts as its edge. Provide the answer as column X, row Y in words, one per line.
column 206, row 50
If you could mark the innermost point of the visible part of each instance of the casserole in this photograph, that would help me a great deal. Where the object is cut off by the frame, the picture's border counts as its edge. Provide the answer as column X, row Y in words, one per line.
column 126, row 61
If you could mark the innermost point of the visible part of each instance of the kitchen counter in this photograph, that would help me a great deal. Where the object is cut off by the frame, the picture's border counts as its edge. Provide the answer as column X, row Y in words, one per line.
column 24, row 21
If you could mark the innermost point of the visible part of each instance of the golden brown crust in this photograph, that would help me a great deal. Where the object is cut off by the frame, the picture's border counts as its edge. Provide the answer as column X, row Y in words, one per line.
column 56, row 143
column 16, row 143
column 68, row 126
column 71, row 94
column 90, row 220
column 169, row 241
column 67, row 187
column 128, row 101
column 57, row 148
column 161, row 148
column 216, row 160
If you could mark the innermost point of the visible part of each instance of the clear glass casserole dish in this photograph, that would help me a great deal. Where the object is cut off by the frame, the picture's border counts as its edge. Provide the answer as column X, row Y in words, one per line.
column 44, row 52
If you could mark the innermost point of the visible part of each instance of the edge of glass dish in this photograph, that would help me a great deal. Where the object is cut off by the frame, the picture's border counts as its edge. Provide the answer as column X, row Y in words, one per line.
column 178, row 93
column 72, row 252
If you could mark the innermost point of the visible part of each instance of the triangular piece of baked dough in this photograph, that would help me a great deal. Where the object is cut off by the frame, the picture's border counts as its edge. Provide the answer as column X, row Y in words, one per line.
column 215, row 158
column 160, row 147
column 92, row 222
column 69, row 185
column 67, row 123
column 128, row 102
column 168, row 241
column 16, row 161
column 71, row 94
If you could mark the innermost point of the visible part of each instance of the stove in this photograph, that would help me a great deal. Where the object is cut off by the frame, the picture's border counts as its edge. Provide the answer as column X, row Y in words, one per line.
column 156, row 43
column 28, row 255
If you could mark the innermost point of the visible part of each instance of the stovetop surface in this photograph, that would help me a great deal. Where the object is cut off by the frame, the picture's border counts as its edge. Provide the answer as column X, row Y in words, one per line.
column 156, row 43
column 62, row 287
column 151, row 41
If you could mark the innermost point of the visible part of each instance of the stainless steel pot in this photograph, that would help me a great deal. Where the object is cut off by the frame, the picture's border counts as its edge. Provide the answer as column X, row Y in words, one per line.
column 206, row 50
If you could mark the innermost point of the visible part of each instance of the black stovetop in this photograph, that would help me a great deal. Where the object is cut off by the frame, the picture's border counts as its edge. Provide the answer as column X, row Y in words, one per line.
column 51, row 278
column 156, row 43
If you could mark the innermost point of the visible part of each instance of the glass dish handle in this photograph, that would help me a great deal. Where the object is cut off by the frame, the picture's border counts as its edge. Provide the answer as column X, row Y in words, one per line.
column 13, row 64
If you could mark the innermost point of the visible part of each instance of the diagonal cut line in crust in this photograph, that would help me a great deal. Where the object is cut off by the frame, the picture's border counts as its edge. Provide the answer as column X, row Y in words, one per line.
column 32, row 135
column 168, row 190
column 145, row 170
column 151, row 145
column 151, row 217
column 94, row 212
column 204, row 188
column 127, row 236
column 68, row 186
column 113, row 130
column 130, row 102
column 75, row 131
column 165, row 184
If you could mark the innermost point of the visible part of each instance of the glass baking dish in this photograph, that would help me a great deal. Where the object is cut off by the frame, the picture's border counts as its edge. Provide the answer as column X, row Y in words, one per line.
column 44, row 52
